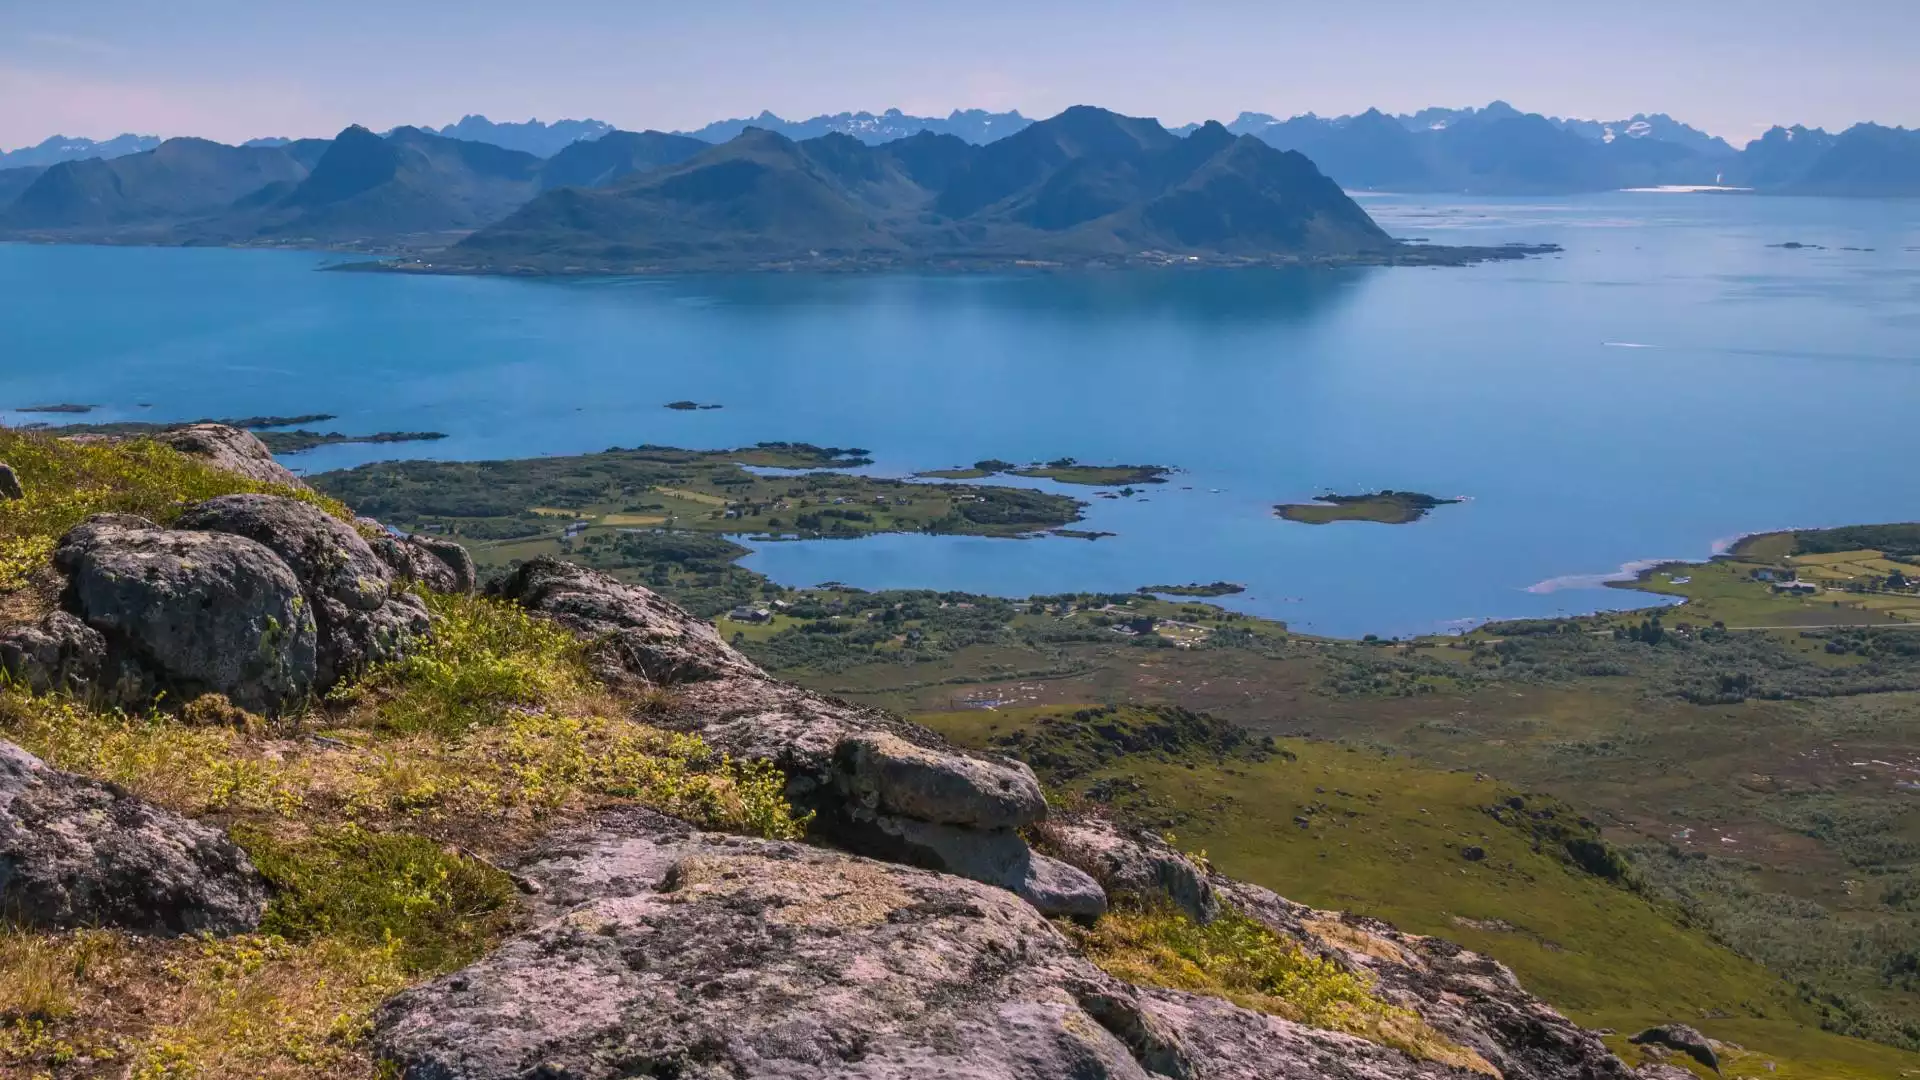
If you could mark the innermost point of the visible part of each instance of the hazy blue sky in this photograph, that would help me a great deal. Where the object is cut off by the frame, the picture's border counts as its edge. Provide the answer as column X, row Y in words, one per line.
column 232, row 69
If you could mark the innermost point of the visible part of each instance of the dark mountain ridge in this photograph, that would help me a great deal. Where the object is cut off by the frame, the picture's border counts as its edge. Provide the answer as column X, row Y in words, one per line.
column 600, row 161
column 1085, row 185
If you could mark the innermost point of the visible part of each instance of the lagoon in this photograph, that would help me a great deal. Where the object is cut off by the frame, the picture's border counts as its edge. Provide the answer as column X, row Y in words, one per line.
column 1669, row 381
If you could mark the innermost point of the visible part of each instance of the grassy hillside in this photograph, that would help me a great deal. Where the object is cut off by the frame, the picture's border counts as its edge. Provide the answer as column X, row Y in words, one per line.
column 1359, row 830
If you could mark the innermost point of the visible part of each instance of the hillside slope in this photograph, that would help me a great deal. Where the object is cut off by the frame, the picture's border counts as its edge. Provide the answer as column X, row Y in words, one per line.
column 360, row 821
column 178, row 180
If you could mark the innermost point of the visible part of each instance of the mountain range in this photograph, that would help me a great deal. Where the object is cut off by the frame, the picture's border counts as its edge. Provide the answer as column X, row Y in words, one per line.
column 60, row 148
column 1497, row 149
column 972, row 125
column 1085, row 185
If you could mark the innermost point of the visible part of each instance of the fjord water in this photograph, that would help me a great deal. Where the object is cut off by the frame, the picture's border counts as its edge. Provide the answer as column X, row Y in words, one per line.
column 1669, row 381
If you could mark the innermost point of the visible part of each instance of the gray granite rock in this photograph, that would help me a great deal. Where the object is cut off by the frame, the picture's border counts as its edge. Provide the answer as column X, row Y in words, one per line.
column 1136, row 865
column 890, row 775
column 1683, row 1038
column 77, row 853
column 686, row 955
column 58, row 653
column 359, row 617
column 200, row 612
column 230, row 450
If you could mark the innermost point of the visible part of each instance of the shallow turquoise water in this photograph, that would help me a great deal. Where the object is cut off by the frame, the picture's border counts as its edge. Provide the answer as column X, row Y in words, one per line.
column 1669, row 381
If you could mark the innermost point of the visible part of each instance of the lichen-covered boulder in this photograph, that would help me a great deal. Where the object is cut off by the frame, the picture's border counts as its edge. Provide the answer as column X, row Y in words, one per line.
column 635, row 634
column 993, row 856
column 439, row 564
column 879, row 785
column 1136, row 865
column 57, row 653
column 77, row 853
column 1683, row 1038
column 887, row 773
column 199, row 612
column 10, row 483
column 702, row 957
column 360, row 619
column 230, row 449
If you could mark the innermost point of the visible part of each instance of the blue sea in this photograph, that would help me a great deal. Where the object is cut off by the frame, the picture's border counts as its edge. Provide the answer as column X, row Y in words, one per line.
column 1671, row 380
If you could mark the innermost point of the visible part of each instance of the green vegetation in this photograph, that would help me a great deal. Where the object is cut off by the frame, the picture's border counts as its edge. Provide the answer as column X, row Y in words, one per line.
column 1858, row 575
column 601, row 508
column 1386, row 507
column 1217, row 588
column 1061, row 471
column 438, row 909
column 129, row 428
column 1438, row 852
column 68, row 482
column 1236, row 958
column 373, row 814
column 1069, row 471
column 294, row 442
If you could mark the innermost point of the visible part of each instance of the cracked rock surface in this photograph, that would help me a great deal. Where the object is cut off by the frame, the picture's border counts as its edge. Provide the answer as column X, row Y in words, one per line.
column 678, row 953
column 78, row 853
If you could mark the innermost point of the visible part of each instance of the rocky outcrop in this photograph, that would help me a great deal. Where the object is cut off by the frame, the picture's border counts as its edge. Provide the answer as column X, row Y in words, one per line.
column 889, row 775
column 1472, row 999
column 878, row 785
column 683, row 954
column 361, row 620
column 440, row 565
column 1685, row 1039
column 230, row 450
column 77, row 853
column 10, row 483
column 58, row 653
column 1135, row 865
column 259, row 598
column 636, row 636
column 199, row 612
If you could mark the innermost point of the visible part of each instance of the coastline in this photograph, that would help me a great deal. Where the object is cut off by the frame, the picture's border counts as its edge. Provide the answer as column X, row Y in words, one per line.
column 1402, row 255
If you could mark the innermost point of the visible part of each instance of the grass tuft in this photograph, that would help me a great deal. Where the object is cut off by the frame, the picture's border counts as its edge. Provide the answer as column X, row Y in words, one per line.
column 1236, row 958
column 433, row 909
column 486, row 660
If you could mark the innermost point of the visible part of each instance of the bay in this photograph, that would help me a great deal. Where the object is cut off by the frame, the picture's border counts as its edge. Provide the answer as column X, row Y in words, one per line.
column 1669, row 381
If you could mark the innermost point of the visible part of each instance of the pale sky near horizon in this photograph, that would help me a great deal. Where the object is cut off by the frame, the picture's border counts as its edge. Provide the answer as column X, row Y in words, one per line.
column 236, row 69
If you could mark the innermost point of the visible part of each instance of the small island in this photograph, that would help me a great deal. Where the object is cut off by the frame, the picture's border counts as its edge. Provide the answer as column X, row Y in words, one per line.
column 690, row 406
column 62, row 407
column 294, row 442
column 1060, row 471
column 1217, row 588
column 1386, row 507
